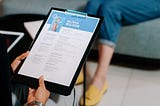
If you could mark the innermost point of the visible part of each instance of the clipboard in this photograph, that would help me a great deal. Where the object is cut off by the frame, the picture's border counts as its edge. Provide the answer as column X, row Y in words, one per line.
column 59, row 50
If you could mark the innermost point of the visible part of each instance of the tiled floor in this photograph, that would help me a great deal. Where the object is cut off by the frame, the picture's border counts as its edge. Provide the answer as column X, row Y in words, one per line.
column 129, row 86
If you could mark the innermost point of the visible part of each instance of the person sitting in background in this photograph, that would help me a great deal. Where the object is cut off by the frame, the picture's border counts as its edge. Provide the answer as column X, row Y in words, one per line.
column 116, row 13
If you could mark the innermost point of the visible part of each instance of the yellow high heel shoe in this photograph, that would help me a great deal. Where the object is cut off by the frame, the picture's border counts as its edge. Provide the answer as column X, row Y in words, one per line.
column 94, row 95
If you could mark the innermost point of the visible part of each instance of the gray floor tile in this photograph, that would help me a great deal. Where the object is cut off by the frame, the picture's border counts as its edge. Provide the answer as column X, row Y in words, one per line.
column 144, row 89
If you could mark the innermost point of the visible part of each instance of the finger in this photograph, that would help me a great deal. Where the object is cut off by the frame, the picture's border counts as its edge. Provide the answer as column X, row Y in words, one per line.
column 41, row 82
column 15, row 64
column 31, row 90
column 17, row 61
column 22, row 56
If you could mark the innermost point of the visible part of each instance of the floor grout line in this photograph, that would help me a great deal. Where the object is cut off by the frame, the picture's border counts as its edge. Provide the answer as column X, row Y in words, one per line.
column 127, row 88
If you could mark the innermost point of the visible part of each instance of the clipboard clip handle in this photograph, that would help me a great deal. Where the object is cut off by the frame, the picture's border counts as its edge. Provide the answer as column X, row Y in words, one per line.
column 76, row 12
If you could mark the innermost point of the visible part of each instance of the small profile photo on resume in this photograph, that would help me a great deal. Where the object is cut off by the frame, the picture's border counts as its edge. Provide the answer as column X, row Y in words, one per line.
column 56, row 23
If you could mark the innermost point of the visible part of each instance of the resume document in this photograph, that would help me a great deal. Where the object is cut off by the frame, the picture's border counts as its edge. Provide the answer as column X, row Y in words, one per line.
column 59, row 47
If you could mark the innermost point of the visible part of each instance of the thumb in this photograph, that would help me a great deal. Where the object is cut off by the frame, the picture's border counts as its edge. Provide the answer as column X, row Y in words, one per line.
column 41, row 82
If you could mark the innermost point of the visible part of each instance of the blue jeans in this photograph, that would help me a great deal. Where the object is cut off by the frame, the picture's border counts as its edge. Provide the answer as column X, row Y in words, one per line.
column 119, row 13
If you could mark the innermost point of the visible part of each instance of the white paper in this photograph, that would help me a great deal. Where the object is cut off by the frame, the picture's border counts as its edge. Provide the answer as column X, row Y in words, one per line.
column 59, row 48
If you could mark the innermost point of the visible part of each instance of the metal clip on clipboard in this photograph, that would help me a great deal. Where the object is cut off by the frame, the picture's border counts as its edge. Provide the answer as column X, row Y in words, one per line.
column 78, row 13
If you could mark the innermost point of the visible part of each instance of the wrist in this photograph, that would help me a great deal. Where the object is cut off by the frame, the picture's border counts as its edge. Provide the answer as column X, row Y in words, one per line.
column 35, row 103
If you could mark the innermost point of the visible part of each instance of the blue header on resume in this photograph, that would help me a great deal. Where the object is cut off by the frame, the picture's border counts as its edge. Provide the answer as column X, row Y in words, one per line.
column 73, row 21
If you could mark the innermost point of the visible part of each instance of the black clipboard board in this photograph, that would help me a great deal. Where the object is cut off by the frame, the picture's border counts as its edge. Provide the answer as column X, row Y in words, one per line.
column 68, row 44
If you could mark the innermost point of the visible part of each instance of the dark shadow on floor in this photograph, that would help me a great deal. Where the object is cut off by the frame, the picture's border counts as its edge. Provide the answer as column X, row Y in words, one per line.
column 129, row 61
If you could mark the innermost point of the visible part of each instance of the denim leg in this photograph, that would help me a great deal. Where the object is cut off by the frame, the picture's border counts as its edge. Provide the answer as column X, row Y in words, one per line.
column 93, row 6
column 117, row 13
column 112, row 22
column 19, row 94
column 140, row 11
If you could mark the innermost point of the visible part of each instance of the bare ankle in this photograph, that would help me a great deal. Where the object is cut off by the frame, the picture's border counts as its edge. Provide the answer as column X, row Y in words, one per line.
column 98, row 82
